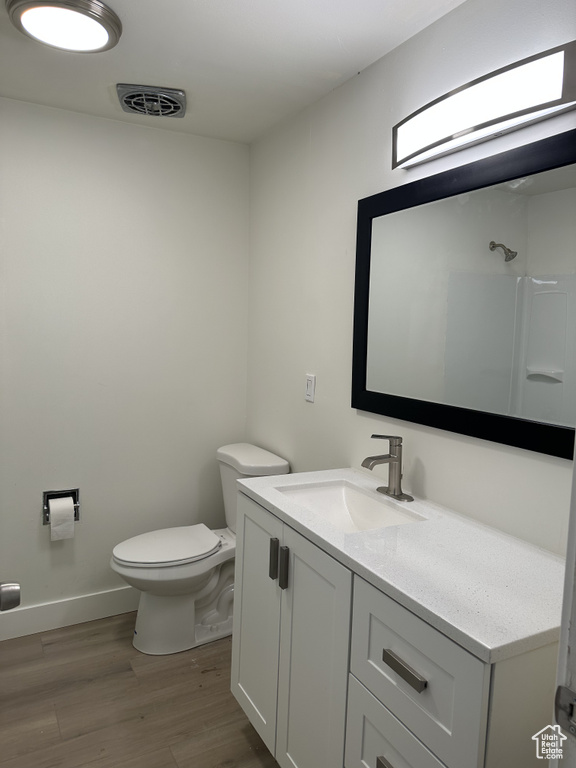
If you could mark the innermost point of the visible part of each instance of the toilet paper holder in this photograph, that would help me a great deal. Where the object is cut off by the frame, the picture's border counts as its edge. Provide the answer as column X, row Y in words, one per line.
column 47, row 495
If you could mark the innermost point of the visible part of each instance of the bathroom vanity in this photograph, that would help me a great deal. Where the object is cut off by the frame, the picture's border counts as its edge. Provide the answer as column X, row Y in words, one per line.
column 371, row 633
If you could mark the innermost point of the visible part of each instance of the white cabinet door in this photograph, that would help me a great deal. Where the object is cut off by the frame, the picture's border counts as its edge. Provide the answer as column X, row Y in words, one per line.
column 314, row 644
column 256, row 628
column 290, row 642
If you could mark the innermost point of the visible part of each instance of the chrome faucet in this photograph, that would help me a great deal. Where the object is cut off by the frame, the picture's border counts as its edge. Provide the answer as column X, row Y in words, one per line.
column 394, row 460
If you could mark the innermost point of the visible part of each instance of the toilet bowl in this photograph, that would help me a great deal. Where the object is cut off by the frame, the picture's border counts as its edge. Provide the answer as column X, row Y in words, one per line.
column 186, row 574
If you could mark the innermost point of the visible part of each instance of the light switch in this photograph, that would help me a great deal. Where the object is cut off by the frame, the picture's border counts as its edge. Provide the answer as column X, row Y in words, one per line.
column 310, row 387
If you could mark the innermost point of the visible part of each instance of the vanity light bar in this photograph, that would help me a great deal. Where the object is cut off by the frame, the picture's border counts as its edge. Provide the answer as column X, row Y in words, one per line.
column 526, row 92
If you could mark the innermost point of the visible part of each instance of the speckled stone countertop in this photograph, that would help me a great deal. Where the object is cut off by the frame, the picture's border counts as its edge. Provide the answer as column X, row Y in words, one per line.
column 493, row 594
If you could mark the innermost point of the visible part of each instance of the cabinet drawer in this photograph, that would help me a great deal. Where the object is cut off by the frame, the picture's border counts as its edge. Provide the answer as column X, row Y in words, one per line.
column 373, row 732
column 435, row 687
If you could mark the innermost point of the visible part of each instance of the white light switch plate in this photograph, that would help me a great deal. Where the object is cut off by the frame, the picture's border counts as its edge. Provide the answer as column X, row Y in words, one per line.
column 310, row 387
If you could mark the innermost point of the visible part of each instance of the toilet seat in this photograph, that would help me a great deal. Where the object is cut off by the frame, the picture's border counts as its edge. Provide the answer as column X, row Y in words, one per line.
column 167, row 547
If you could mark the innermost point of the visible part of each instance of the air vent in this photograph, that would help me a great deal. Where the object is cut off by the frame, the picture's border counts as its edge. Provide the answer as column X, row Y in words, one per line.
column 149, row 100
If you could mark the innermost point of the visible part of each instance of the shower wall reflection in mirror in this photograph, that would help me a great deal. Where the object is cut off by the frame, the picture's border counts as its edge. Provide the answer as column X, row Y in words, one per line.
column 479, row 331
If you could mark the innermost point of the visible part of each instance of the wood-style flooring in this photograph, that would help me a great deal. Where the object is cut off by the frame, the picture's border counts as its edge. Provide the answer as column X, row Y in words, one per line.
column 83, row 697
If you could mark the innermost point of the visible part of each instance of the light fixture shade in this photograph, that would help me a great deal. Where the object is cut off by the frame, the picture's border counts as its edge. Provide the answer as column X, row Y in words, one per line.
column 83, row 26
column 509, row 98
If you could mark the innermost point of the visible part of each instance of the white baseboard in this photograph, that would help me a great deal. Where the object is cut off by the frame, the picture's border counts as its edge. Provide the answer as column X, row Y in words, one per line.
column 29, row 619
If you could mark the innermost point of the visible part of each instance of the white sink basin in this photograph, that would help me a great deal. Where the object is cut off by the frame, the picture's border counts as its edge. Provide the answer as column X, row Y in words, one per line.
column 350, row 508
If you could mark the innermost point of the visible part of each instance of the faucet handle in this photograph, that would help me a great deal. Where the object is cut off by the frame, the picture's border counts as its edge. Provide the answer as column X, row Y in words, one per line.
column 394, row 439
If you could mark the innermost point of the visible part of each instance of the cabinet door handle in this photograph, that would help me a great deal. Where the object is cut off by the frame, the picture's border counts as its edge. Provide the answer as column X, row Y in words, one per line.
column 273, row 564
column 284, row 562
column 405, row 671
column 381, row 762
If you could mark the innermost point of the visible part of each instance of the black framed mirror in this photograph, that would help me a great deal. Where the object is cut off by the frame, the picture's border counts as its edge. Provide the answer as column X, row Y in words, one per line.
column 451, row 330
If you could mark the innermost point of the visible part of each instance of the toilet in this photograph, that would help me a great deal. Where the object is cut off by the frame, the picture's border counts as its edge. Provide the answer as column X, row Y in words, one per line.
column 186, row 574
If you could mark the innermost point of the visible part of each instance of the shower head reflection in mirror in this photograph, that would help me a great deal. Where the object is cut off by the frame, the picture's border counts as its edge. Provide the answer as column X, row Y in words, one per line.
column 509, row 254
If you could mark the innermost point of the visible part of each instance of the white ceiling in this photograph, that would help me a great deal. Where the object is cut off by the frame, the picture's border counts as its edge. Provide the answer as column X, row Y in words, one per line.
column 244, row 64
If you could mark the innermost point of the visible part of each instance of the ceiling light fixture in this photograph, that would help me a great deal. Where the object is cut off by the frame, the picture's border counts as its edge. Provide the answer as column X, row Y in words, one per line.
column 84, row 26
column 509, row 98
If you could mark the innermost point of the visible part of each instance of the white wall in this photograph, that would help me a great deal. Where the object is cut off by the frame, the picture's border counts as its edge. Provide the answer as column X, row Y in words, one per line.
column 123, row 314
column 306, row 178
column 123, row 317
column 551, row 245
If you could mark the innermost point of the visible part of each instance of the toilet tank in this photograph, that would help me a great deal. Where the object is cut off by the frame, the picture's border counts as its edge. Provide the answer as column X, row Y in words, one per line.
column 241, row 460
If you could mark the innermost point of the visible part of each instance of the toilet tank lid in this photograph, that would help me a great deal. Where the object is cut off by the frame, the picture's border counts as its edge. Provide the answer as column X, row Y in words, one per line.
column 251, row 460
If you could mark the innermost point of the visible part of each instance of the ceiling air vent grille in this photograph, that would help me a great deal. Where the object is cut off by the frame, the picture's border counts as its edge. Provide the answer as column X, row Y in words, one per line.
column 149, row 100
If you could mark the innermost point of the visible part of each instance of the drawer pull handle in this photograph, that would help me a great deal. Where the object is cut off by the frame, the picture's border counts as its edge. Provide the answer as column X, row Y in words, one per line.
column 284, row 563
column 404, row 670
column 273, row 565
column 381, row 762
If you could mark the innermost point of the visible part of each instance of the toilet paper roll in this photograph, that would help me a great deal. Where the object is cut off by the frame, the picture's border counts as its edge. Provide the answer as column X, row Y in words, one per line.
column 61, row 518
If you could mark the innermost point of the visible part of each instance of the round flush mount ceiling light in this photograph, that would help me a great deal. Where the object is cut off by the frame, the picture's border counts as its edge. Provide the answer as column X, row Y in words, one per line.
column 84, row 26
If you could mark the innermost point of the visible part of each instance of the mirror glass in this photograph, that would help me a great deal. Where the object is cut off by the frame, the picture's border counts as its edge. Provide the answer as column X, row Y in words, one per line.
column 466, row 299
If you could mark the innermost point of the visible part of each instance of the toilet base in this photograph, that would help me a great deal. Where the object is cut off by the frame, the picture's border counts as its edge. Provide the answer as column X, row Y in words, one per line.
column 172, row 623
